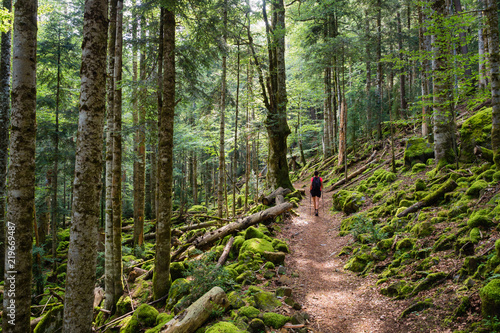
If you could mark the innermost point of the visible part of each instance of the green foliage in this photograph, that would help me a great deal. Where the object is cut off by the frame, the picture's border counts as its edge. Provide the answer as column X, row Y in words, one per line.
column 363, row 225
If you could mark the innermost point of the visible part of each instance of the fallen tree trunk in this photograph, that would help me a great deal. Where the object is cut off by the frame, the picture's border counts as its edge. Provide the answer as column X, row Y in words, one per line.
column 146, row 237
column 431, row 199
column 225, row 253
column 354, row 174
column 484, row 153
column 175, row 232
column 204, row 241
column 195, row 315
column 269, row 200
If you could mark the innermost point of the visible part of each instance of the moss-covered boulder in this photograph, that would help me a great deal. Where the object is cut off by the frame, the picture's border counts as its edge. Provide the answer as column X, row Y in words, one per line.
column 418, row 167
column 178, row 289
column 490, row 299
column 142, row 290
column 348, row 201
column 406, row 244
column 235, row 300
column 52, row 321
column 422, row 229
column 444, row 242
column 475, row 131
column 161, row 320
column 358, row 263
column 197, row 209
column 430, row 281
column 420, row 185
column 418, row 150
column 475, row 188
column 224, row 327
column 277, row 258
column 253, row 232
column 123, row 306
column 177, row 270
column 382, row 176
column 249, row 312
column 480, row 219
column 280, row 245
column 265, row 301
column 143, row 317
column 255, row 245
column 275, row 320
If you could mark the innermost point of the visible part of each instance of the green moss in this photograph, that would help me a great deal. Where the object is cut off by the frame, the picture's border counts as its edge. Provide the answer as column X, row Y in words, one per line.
column 177, row 270
column 266, row 301
column 161, row 320
column 430, row 281
column 253, row 233
column 475, row 235
column 275, row 320
column 197, row 209
column 418, row 150
column 405, row 244
column 178, row 289
column 255, row 245
column 444, row 242
column 475, row 131
column 385, row 244
column 348, row 201
column 393, row 289
column 123, row 306
column 418, row 167
column 480, row 219
column 476, row 187
column 490, row 299
column 142, row 291
column 420, row 185
column 422, row 229
column 417, row 307
column 357, row 263
column 223, row 327
column 146, row 315
column 249, row 311
column 52, row 321
column 269, row 265
column 280, row 245
column 235, row 300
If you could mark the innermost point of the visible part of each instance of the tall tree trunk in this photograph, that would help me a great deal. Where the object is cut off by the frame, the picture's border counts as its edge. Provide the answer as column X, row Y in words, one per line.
column 369, row 115
column 379, row 68
column 469, row 79
column 248, row 166
column 424, row 79
column 444, row 123
column 161, row 277
column 21, row 173
column 222, row 156
column 116, row 191
column 141, row 149
column 108, row 251
column 327, row 110
column 402, row 79
column 135, row 126
column 4, row 129
column 483, row 80
column 80, row 282
column 494, row 59
column 235, row 153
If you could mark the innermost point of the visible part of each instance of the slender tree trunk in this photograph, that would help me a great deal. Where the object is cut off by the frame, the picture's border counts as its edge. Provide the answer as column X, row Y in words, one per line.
column 4, row 130
column 21, row 173
column 483, row 80
column 444, row 123
column 368, row 77
column 248, row 166
column 161, row 277
column 116, row 191
column 80, row 282
column 222, row 157
column 235, row 153
column 108, row 251
column 402, row 77
column 379, row 68
column 424, row 80
column 135, row 126
column 327, row 110
column 494, row 59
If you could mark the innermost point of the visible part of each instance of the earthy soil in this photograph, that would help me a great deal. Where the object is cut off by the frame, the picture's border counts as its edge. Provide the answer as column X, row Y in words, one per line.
column 336, row 300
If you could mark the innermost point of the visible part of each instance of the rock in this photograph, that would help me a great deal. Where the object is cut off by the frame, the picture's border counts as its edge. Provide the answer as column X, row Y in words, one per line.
column 418, row 167
column 235, row 300
column 281, row 270
column 275, row 320
column 276, row 258
column 253, row 232
column 123, row 306
column 476, row 187
column 422, row 229
column 490, row 299
column 144, row 316
column 255, row 245
column 430, row 281
column 179, row 289
column 420, row 185
column 177, row 270
column 284, row 280
column 405, row 244
column 52, row 321
column 265, row 300
column 348, row 201
column 249, row 312
column 223, row 327
column 280, row 246
column 257, row 326
column 480, row 219
column 419, row 306
column 283, row 292
column 357, row 263
column 418, row 150
column 475, row 131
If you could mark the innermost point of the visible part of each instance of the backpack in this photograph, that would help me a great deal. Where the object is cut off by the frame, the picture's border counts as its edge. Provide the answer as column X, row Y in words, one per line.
column 316, row 184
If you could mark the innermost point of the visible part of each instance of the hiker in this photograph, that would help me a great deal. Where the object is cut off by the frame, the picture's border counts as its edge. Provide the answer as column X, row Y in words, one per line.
column 316, row 188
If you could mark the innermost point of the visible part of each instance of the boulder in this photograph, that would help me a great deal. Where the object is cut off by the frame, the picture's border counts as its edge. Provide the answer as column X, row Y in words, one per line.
column 475, row 131
column 490, row 299
column 418, row 150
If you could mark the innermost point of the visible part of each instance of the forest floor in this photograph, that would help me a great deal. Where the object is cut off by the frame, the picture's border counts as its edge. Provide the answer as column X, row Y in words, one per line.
column 336, row 300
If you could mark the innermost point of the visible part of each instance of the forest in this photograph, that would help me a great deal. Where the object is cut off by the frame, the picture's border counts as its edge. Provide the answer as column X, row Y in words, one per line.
column 156, row 161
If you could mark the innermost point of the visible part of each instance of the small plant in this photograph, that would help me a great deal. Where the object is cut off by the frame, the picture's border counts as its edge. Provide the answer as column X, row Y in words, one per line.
column 362, row 224
column 492, row 324
column 139, row 252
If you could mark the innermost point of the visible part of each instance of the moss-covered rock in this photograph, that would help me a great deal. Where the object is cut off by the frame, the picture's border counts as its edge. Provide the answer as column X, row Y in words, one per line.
column 255, row 245
column 197, row 209
column 417, row 307
column 348, row 201
column 235, row 300
column 490, row 299
column 224, row 327
column 444, row 242
column 177, row 270
column 277, row 258
column 178, row 289
column 253, row 232
column 385, row 244
column 430, row 281
column 52, row 321
column 280, row 245
column 480, row 219
column 393, row 289
column 405, row 244
column 146, row 315
column 142, row 290
column 357, row 263
column 265, row 300
column 420, row 185
column 475, row 235
column 249, row 312
column 418, row 167
column 476, row 187
column 275, row 320
column 475, row 131
column 123, row 306
column 161, row 320
column 418, row 150
column 422, row 229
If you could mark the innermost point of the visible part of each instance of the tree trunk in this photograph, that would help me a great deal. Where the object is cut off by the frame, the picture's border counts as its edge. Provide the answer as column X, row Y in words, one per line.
column 402, row 78
column 368, row 77
column 108, row 251
column 247, row 139
column 494, row 59
column 444, row 123
column 4, row 130
column 21, row 172
column 470, row 81
column 483, row 80
column 161, row 279
column 80, row 282
column 342, row 132
column 135, row 125
column 379, row 68
column 424, row 79
column 198, row 312
column 327, row 110
column 222, row 156
column 235, row 152
column 269, row 200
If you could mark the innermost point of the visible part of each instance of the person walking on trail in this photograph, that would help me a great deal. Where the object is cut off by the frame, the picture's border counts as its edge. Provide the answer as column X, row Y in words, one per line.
column 316, row 188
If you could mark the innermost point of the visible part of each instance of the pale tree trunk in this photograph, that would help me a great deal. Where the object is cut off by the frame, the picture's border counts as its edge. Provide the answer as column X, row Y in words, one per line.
column 222, row 157
column 327, row 107
column 135, row 124
column 494, row 59
column 379, row 68
column 368, row 76
column 402, row 77
column 424, row 79
column 483, row 80
column 161, row 277
column 21, row 172
column 141, row 150
column 109, row 285
column 116, row 191
column 80, row 281
column 194, row 165
column 248, row 166
column 444, row 123
column 235, row 153
column 4, row 130
column 342, row 132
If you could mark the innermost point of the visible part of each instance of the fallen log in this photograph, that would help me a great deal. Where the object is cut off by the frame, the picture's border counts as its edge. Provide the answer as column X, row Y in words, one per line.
column 269, row 200
column 98, row 296
column 225, row 253
column 354, row 174
column 146, row 237
column 205, row 241
column 431, row 199
column 484, row 153
column 196, row 314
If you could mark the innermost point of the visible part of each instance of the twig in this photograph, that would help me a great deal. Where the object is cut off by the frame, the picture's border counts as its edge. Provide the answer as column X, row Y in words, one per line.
column 129, row 293
column 46, row 305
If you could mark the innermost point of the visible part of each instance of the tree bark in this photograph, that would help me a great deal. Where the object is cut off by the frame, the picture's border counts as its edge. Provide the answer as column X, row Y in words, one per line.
column 235, row 152
column 483, row 80
column 225, row 253
column 206, row 240
column 424, row 77
column 379, row 69
column 484, row 153
column 197, row 313
column 368, row 76
column 21, row 172
column 494, row 59
column 161, row 278
column 269, row 200
column 80, row 282
column 135, row 125
column 402, row 78
column 222, row 154
column 4, row 130
column 444, row 123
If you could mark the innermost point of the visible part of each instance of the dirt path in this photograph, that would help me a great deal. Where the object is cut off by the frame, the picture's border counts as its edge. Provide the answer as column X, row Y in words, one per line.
column 336, row 300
